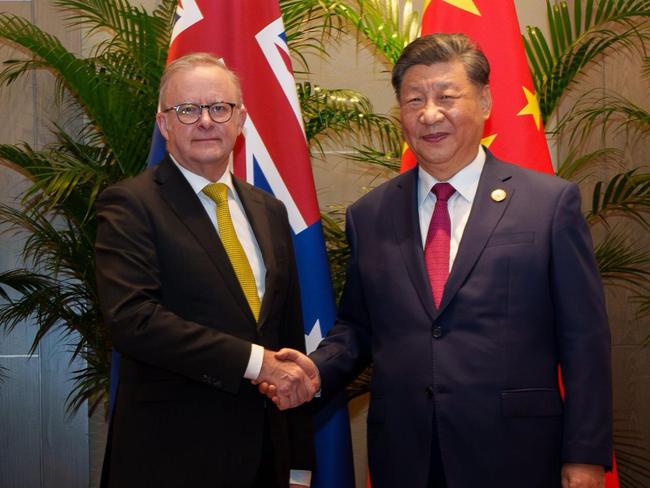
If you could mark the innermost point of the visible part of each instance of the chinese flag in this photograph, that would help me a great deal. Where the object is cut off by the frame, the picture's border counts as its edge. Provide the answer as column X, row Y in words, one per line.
column 514, row 131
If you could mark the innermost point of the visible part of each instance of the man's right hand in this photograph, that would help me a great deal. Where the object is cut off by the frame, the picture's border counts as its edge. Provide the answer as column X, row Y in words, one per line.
column 288, row 378
column 299, row 378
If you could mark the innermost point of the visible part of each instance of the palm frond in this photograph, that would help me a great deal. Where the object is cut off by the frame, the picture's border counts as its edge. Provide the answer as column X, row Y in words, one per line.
column 166, row 10
column 40, row 298
column 338, row 251
column 65, row 173
column 134, row 31
column 387, row 27
column 645, row 66
column 610, row 112
column 49, row 51
column 309, row 23
column 56, row 245
column 343, row 115
column 632, row 456
column 621, row 261
column 91, row 383
column 625, row 194
column 642, row 301
column 574, row 166
column 117, row 89
column 62, row 297
column 390, row 158
column 577, row 38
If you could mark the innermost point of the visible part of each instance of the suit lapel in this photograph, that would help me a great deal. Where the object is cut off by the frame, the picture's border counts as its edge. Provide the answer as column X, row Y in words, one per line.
column 406, row 223
column 258, row 218
column 483, row 218
column 182, row 200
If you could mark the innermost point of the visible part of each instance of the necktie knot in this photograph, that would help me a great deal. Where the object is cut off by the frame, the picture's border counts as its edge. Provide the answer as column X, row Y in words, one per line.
column 443, row 191
column 218, row 192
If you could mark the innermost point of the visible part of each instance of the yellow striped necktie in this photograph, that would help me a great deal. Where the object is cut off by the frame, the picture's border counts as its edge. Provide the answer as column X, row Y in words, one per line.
column 238, row 260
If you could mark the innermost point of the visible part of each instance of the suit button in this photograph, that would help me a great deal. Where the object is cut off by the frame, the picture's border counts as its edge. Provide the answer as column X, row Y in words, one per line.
column 429, row 391
column 436, row 332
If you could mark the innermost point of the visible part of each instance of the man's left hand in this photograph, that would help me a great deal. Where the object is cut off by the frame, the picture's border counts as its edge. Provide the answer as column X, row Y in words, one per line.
column 583, row 476
column 287, row 399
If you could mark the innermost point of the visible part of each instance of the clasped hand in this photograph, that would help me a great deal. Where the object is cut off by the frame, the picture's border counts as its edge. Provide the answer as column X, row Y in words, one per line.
column 288, row 378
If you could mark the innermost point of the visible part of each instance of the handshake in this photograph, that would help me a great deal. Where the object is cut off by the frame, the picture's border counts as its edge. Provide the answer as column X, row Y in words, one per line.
column 288, row 378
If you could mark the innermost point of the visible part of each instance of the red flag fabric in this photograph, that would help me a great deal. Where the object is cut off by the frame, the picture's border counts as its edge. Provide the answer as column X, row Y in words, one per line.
column 515, row 111
column 514, row 131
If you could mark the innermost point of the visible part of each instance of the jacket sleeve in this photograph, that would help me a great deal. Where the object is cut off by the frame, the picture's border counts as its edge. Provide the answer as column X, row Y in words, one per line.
column 347, row 348
column 583, row 336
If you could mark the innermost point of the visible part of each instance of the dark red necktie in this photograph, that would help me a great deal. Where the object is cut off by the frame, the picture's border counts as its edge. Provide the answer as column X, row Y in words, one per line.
column 436, row 247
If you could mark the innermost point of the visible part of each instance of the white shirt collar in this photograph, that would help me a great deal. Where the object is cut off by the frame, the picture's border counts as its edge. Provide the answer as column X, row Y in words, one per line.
column 198, row 182
column 465, row 181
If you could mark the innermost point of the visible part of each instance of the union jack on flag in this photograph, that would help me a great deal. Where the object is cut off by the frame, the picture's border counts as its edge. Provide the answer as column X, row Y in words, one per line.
column 249, row 36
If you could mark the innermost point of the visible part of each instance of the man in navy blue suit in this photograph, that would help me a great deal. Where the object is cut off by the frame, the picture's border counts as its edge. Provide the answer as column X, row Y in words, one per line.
column 470, row 281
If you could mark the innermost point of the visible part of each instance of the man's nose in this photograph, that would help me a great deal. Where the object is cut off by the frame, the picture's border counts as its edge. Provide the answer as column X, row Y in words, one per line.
column 431, row 113
column 204, row 119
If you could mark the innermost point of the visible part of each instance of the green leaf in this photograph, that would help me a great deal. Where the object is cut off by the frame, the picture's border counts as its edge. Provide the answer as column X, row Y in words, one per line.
column 626, row 194
column 574, row 165
column 379, row 22
column 611, row 113
column 343, row 117
column 621, row 261
column 561, row 57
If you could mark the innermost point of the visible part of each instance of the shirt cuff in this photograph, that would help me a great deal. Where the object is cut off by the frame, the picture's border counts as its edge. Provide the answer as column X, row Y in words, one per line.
column 300, row 477
column 254, row 362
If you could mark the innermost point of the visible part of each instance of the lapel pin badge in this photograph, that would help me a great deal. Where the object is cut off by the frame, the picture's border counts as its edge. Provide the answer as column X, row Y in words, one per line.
column 498, row 195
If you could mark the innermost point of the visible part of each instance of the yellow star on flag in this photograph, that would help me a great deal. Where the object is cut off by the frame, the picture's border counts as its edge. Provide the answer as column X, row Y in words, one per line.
column 532, row 107
column 488, row 140
column 467, row 5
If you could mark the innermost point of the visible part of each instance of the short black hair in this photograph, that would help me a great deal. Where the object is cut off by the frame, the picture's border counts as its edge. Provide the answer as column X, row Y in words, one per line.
column 443, row 48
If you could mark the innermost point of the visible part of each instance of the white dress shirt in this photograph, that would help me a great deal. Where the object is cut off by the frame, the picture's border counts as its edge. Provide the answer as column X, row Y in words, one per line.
column 459, row 204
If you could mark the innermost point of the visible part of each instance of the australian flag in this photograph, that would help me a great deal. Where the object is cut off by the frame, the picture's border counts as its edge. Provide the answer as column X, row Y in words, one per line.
column 248, row 35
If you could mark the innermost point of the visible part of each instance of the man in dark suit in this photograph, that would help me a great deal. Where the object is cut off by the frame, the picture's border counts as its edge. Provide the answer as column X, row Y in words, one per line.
column 470, row 281
column 198, row 285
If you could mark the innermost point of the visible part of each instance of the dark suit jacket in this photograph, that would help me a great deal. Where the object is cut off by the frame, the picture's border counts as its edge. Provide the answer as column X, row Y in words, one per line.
column 184, row 415
column 524, row 294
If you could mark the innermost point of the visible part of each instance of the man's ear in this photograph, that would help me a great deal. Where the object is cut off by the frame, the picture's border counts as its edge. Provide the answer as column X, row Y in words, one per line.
column 243, row 114
column 486, row 101
column 161, row 120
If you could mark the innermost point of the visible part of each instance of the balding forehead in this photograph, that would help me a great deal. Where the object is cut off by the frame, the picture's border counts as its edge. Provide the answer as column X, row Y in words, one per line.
column 192, row 62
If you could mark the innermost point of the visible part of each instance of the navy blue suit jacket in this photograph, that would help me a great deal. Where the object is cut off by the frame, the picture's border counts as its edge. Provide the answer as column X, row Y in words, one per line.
column 523, row 296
